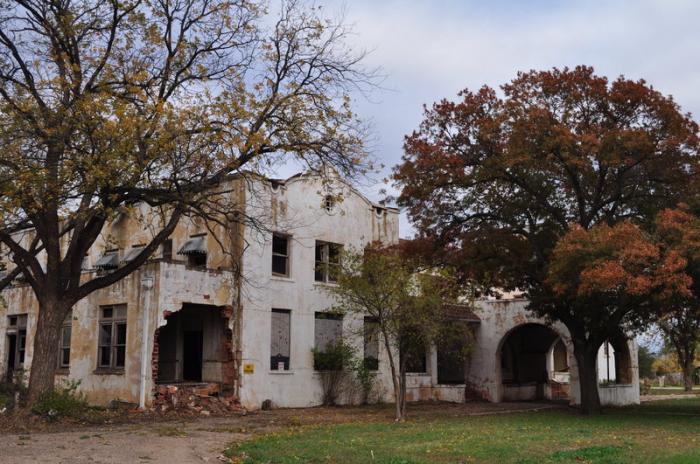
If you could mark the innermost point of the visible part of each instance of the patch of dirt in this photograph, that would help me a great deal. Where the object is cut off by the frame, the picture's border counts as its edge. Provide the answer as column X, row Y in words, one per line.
column 147, row 438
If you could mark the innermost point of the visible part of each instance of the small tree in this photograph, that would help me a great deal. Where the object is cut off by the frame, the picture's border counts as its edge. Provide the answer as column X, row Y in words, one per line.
column 334, row 364
column 406, row 305
column 646, row 360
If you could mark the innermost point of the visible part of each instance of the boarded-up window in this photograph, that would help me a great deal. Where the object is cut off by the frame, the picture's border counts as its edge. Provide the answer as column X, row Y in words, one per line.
column 327, row 261
column 112, row 337
column 328, row 329
column 280, row 255
column 64, row 344
column 371, row 343
column 279, row 340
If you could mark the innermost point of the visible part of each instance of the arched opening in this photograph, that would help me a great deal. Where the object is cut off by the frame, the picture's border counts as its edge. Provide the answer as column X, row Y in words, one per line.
column 534, row 364
column 614, row 362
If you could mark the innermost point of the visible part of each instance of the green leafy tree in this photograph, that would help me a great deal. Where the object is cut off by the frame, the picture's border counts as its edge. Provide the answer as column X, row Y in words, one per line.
column 495, row 182
column 335, row 364
column 645, row 358
column 406, row 304
column 108, row 104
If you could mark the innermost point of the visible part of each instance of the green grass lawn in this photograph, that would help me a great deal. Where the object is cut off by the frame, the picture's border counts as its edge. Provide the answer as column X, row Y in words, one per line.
column 674, row 391
column 667, row 431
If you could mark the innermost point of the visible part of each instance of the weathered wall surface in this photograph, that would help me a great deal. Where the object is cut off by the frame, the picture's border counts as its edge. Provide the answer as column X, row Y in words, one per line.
column 173, row 285
column 297, row 209
column 498, row 318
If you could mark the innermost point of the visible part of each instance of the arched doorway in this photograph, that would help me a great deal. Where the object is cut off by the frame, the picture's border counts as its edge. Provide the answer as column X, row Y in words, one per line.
column 534, row 364
column 614, row 362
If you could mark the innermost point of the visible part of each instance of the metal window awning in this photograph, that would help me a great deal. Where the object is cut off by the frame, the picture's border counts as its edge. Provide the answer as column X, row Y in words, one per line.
column 108, row 261
column 195, row 245
column 132, row 254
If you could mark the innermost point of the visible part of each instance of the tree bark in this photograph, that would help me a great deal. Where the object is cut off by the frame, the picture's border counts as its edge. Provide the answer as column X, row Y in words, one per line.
column 46, row 340
column 688, row 371
column 586, row 358
column 394, row 377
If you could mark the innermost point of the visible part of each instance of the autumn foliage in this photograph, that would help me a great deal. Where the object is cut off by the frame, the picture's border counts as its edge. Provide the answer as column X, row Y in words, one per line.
column 616, row 260
column 552, row 186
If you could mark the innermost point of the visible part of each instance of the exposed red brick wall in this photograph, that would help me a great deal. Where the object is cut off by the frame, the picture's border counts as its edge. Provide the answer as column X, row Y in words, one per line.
column 229, row 372
column 154, row 358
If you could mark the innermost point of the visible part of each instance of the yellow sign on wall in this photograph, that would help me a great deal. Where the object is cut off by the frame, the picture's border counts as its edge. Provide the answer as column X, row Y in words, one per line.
column 248, row 368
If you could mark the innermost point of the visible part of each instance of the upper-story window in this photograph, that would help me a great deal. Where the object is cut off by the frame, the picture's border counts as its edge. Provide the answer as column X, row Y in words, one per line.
column 280, row 255
column 327, row 261
column 195, row 249
column 329, row 203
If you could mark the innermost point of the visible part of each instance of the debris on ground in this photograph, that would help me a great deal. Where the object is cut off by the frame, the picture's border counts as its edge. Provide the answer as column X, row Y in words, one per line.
column 204, row 399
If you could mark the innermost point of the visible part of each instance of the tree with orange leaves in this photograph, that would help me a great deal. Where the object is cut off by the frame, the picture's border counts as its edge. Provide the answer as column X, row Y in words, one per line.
column 500, row 180
column 679, row 229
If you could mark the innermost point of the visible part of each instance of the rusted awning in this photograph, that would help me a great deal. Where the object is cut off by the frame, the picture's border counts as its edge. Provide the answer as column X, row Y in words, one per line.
column 110, row 260
column 195, row 245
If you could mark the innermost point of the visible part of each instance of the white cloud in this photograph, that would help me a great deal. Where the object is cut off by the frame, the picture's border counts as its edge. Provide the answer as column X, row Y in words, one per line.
column 431, row 50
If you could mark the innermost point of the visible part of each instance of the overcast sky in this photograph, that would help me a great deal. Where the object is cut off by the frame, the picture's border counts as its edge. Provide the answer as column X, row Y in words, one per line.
column 432, row 49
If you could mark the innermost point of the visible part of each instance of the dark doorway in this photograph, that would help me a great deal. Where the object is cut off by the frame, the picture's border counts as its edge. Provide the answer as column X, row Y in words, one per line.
column 192, row 345
column 11, row 357
column 192, row 356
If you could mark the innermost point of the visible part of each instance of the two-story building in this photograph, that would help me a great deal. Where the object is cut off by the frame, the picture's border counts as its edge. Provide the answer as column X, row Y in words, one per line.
column 242, row 307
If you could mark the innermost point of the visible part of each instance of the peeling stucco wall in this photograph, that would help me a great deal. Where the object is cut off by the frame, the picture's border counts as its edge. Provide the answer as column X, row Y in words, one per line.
column 498, row 318
column 296, row 208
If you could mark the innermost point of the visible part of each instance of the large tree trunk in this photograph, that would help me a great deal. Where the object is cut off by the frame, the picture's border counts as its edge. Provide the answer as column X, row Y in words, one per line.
column 688, row 371
column 586, row 358
column 46, row 340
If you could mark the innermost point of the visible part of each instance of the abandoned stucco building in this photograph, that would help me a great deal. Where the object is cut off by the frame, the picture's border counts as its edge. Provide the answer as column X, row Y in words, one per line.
column 186, row 316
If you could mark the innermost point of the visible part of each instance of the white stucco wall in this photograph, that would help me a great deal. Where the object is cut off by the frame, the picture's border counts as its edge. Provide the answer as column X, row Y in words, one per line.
column 297, row 209
column 498, row 318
